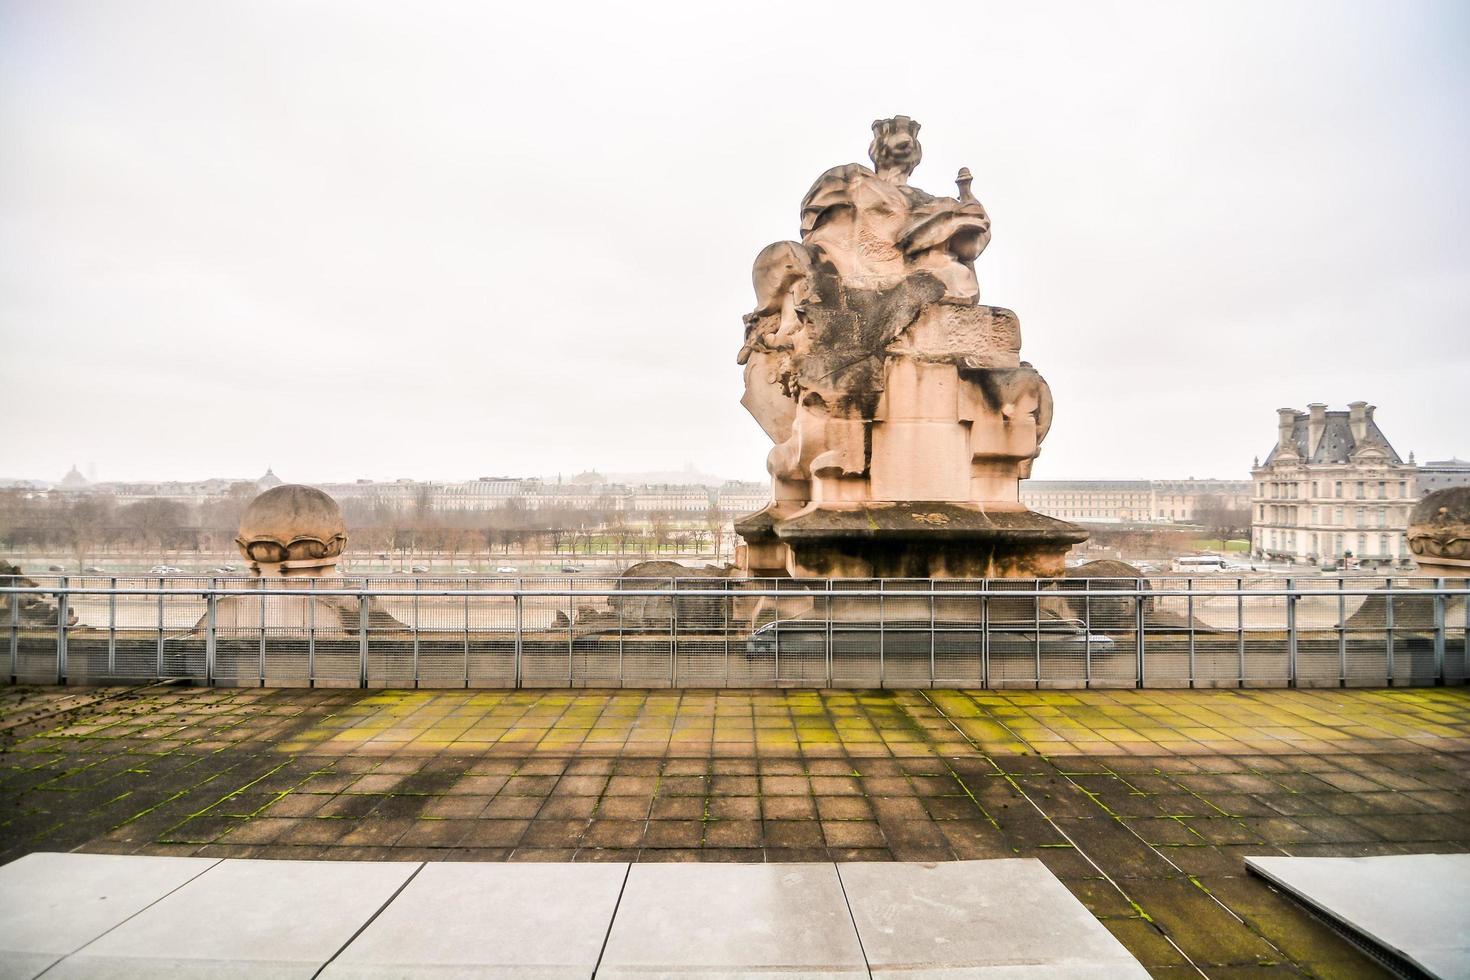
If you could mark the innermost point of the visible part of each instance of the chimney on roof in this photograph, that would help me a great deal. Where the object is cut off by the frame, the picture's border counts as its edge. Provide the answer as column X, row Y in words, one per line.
column 1358, row 415
column 1285, row 422
column 1316, row 425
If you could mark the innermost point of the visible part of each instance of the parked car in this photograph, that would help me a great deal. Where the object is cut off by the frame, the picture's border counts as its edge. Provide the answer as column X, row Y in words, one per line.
column 570, row 569
column 806, row 637
column 95, row 570
column 165, row 570
column 55, row 568
column 465, row 570
column 505, row 570
column 419, row 569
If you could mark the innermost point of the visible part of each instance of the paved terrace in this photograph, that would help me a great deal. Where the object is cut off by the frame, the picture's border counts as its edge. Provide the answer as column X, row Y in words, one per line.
column 1143, row 802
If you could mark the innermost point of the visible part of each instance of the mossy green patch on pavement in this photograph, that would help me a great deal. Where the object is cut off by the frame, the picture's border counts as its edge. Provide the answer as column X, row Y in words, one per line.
column 1144, row 802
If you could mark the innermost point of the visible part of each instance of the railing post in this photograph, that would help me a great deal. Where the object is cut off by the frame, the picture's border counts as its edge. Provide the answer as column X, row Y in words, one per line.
column 673, row 632
column 1086, row 636
column 519, row 638
column 1439, row 631
column 931, row 632
column 1240, row 630
column 984, row 635
column 1189, row 619
column 112, row 630
column 415, row 633
column 1138, row 629
column 828, row 632
column 1290, row 633
column 882, row 640
column 362, row 638
column 1036, row 626
column 62, row 612
column 311, row 634
column 621, row 681
column 1388, row 628
column 159, row 673
column 260, row 659
column 14, row 630
column 1342, row 666
column 210, row 637
column 467, row 634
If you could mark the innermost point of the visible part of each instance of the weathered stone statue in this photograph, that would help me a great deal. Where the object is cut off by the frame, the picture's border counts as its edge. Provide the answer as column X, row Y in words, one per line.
column 290, row 534
column 1439, row 533
column 902, row 415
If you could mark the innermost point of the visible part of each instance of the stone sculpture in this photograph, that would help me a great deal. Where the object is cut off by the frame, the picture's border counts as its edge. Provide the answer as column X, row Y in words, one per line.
column 901, row 413
column 291, row 535
column 1439, row 533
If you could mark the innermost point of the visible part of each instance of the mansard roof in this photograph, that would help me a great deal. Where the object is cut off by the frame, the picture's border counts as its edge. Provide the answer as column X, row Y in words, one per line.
column 1337, row 444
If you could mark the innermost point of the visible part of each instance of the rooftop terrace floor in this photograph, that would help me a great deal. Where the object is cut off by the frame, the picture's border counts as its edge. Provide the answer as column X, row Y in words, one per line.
column 1143, row 802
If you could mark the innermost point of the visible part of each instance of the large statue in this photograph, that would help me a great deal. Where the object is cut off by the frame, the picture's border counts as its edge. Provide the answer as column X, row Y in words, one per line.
column 883, row 384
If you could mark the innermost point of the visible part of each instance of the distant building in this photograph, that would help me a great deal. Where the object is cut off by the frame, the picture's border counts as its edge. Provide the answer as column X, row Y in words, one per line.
column 1332, row 487
column 1135, row 501
column 73, row 481
column 1441, row 474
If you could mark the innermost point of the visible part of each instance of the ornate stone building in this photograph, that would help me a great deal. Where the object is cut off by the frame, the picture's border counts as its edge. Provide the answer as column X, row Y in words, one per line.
column 1136, row 501
column 1332, row 488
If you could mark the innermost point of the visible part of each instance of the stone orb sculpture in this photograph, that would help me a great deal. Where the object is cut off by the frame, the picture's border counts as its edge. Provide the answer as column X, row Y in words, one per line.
column 292, row 530
column 1439, row 533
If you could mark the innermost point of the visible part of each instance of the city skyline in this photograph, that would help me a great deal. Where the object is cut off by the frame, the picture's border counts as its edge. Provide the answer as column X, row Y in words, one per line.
column 392, row 244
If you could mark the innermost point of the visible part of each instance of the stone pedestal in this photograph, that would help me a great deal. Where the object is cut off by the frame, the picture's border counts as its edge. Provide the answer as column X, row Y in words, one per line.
column 902, row 414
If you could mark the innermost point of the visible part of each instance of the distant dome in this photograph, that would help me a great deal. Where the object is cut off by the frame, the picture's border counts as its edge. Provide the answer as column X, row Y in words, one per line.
column 1439, row 526
column 270, row 481
column 73, row 479
column 292, row 523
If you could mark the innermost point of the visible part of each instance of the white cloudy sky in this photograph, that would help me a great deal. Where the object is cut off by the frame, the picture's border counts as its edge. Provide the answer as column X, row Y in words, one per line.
column 452, row 239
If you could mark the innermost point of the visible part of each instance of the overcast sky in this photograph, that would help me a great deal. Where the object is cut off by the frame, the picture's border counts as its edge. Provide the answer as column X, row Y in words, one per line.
column 445, row 240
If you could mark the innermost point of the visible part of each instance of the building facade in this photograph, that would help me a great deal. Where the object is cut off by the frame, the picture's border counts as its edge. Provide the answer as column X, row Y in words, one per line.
column 1332, row 489
column 1135, row 501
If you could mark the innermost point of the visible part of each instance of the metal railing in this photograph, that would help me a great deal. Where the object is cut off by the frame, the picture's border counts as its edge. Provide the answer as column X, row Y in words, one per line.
column 1206, row 631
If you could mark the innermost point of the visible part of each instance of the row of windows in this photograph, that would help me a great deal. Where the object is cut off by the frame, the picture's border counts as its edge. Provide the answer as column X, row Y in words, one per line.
column 1356, row 489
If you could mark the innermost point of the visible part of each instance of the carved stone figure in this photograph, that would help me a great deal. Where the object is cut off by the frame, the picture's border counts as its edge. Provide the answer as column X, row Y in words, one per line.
column 881, row 381
column 1439, row 533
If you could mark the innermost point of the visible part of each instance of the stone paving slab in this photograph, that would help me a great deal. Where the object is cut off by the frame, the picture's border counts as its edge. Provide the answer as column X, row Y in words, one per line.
column 244, row 919
column 236, row 918
column 54, row 904
column 1414, row 905
column 729, row 920
column 978, row 919
column 542, row 921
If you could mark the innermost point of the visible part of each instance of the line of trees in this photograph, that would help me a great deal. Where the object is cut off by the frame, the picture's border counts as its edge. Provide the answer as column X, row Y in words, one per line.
column 86, row 526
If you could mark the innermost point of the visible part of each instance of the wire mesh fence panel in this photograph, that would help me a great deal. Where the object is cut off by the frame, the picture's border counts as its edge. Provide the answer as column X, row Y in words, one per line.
column 1110, row 657
column 385, row 624
column 1265, row 635
column 1457, row 633
column 595, row 635
column 1414, row 618
column 912, row 633
column 703, row 632
column 853, row 635
column 491, row 641
column 1013, row 637
column 800, row 657
column 645, row 631
column 1317, row 619
column 959, row 654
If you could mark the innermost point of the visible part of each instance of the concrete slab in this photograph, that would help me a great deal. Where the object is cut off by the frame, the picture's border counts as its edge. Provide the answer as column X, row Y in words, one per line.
column 1411, row 904
column 54, row 904
column 244, row 919
column 542, row 921
column 1002, row 918
column 728, row 920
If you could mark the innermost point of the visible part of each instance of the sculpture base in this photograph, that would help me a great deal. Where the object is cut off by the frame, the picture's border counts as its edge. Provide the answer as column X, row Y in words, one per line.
column 904, row 539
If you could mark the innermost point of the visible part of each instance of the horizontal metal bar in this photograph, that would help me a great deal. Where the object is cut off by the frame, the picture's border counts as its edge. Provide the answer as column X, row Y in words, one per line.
column 737, row 592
